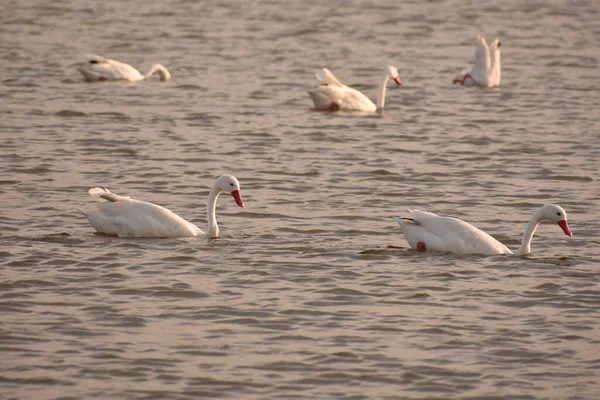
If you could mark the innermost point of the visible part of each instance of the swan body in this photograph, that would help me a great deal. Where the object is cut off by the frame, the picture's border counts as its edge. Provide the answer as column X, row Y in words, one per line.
column 428, row 231
column 103, row 69
column 126, row 217
column 333, row 95
column 486, row 71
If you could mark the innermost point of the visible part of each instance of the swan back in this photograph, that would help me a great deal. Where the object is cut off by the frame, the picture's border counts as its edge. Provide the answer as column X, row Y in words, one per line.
column 459, row 237
column 123, row 216
column 448, row 234
column 99, row 68
column 333, row 95
column 126, row 217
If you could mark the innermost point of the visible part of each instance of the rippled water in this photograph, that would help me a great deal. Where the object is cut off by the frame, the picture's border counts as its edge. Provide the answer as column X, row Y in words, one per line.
column 300, row 297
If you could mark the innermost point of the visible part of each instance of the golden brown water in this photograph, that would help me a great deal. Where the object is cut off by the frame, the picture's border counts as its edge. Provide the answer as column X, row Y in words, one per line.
column 299, row 298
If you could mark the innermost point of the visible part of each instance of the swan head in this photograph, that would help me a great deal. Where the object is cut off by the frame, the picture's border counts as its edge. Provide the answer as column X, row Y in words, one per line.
column 392, row 72
column 229, row 184
column 556, row 214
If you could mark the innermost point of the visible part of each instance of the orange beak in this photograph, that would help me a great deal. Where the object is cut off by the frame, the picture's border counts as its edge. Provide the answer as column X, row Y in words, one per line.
column 238, row 198
column 565, row 227
column 397, row 80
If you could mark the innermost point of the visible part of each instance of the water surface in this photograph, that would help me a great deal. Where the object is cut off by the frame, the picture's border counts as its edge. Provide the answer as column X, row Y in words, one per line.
column 299, row 297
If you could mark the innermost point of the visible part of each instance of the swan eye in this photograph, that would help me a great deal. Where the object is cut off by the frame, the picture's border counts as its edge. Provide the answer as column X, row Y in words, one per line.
column 558, row 213
column 93, row 62
column 231, row 184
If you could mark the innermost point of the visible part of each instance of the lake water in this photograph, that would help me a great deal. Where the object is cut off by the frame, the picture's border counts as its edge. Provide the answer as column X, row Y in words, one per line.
column 299, row 298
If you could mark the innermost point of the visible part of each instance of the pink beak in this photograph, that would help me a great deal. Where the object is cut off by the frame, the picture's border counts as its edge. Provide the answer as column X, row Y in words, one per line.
column 238, row 198
column 397, row 80
column 565, row 227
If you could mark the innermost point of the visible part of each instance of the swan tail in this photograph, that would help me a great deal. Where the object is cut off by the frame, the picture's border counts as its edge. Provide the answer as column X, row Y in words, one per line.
column 322, row 102
column 104, row 195
column 325, row 76
column 88, row 75
column 402, row 220
column 94, row 68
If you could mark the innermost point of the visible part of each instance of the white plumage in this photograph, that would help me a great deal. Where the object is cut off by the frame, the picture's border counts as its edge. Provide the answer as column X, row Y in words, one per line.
column 126, row 217
column 333, row 95
column 486, row 71
column 453, row 235
column 98, row 68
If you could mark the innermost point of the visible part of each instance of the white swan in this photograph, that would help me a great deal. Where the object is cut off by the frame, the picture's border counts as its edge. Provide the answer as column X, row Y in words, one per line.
column 427, row 231
column 486, row 70
column 103, row 69
column 333, row 95
column 126, row 217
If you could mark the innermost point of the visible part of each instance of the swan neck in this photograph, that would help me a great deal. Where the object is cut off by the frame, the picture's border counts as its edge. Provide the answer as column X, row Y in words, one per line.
column 528, row 235
column 381, row 92
column 164, row 73
column 213, row 228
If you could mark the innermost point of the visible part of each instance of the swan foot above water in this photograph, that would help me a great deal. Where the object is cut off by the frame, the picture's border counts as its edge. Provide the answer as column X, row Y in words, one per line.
column 486, row 71
column 420, row 246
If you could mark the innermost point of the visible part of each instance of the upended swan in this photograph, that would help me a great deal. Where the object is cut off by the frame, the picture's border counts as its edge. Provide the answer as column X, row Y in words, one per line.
column 126, row 217
column 103, row 69
column 333, row 95
column 427, row 231
column 486, row 71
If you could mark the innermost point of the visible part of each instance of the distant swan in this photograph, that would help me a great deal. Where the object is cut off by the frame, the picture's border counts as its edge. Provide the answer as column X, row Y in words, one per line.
column 486, row 71
column 427, row 231
column 125, row 217
column 333, row 95
column 103, row 69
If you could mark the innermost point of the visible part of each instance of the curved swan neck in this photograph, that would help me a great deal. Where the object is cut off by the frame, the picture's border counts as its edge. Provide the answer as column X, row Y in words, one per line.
column 164, row 73
column 528, row 235
column 381, row 92
column 213, row 228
